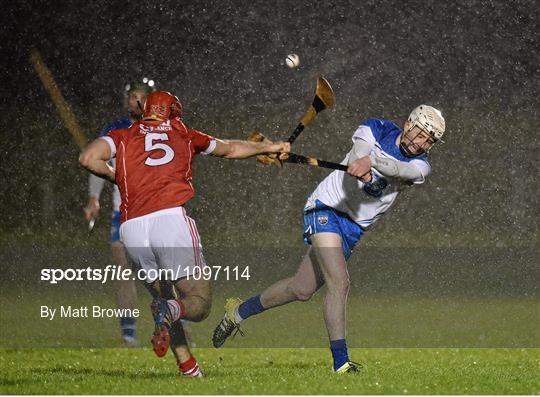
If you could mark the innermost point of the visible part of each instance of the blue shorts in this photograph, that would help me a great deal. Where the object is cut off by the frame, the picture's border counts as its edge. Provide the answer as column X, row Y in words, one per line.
column 324, row 219
column 115, row 226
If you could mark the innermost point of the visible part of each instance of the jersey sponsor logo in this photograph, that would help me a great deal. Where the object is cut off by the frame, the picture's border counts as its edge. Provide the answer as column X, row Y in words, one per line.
column 322, row 219
column 165, row 126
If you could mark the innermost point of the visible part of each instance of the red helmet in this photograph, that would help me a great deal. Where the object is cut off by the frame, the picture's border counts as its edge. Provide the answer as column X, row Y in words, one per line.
column 161, row 106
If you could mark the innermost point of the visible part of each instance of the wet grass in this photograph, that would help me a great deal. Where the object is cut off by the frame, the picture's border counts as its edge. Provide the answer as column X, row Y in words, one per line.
column 271, row 371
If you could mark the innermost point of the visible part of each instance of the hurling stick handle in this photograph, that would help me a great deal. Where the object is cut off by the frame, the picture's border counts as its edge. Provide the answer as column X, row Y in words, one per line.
column 297, row 131
column 331, row 165
column 299, row 159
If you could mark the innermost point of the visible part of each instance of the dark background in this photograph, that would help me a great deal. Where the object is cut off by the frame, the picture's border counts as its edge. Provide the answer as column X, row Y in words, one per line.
column 476, row 61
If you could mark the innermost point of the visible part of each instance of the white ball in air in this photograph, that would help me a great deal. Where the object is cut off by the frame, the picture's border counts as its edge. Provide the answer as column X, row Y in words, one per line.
column 292, row 60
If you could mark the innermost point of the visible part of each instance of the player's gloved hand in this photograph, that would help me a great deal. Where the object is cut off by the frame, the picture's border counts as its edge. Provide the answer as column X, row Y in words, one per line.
column 266, row 159
column 361, row 168
column 91, row 210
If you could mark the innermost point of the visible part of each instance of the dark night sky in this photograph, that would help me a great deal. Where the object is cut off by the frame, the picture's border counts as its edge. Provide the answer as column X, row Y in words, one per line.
column 229, row 54
column 477, row 61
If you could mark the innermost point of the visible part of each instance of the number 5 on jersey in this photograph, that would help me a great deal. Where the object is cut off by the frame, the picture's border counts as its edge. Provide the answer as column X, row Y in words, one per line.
column 149, row 145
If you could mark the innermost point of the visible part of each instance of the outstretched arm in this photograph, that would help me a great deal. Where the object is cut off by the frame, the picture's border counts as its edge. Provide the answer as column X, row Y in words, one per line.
column 236, row 149
column 95, row 157
column 398, row 169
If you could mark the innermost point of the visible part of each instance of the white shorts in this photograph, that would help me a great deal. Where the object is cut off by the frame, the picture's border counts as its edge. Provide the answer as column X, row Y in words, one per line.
column 165, row 244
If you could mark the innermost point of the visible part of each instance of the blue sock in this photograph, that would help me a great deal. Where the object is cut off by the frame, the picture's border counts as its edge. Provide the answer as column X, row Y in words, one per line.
column 339, row 352
column 128, row 326
column 251, row 307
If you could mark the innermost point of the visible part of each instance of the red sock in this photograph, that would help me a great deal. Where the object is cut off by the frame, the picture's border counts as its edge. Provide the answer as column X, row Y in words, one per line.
column 190, row 367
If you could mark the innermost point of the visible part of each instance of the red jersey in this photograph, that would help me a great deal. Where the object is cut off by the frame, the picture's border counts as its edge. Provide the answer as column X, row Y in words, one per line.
column 153, row 164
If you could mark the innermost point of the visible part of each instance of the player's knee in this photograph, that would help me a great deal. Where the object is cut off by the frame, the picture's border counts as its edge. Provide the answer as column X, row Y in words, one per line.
column 303, row 293
column 203, row 311
column 340, row 285
column 344, row 285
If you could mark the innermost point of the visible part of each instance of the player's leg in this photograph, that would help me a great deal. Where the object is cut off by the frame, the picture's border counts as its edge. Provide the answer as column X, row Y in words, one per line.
column 333, row 236
column 193, row 303
column 126, row 294
column 195, row 299
column 187, row 365
column 135, row 236
column 301, row 287
column 173, row 335
column 176, row 243
column 327, row 248
column 168, row 291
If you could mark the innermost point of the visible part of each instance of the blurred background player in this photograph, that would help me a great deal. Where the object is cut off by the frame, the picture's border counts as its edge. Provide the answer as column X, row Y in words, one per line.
column 383, row 161
column 155, row 182
column 134, row 98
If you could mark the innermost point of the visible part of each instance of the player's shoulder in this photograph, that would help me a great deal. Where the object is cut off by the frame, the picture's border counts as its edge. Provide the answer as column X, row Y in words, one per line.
column 179, row 125
column 121, row 123
column 380, row 128
column 191, row 132
column 422, row 158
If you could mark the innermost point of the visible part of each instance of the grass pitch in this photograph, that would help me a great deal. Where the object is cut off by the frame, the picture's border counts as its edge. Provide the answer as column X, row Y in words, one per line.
column 270, row 371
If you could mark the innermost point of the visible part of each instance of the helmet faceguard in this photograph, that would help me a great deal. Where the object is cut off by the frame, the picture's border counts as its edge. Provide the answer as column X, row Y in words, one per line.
column 135, row 96
column 425, row 127
column 162, row 106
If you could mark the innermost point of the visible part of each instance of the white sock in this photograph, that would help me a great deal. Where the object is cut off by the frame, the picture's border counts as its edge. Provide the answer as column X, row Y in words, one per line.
column 175, row 309
column 237, row 317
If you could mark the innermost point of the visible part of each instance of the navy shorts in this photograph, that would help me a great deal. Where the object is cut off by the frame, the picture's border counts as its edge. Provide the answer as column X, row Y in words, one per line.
column 324, row 219
column 115, row 226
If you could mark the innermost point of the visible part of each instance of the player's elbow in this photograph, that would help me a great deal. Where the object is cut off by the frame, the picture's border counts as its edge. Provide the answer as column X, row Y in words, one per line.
column 85, row 158
column 224, row 149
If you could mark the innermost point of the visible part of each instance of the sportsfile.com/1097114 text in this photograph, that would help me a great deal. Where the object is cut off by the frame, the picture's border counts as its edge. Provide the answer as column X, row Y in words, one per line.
column 116, row 273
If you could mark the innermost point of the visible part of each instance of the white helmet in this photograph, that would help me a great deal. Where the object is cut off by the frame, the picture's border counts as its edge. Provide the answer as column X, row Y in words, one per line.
column 429, row 119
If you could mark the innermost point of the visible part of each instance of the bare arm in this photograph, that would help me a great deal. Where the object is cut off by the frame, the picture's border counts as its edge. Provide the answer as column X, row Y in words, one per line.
column 236, row 149
column 95, row 157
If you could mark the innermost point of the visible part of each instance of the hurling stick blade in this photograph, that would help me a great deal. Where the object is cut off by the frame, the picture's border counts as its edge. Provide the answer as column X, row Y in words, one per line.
column 325, row 93
column 324, row 98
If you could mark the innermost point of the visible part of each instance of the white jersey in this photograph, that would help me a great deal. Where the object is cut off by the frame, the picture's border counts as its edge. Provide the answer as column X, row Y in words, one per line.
column 358, row 200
